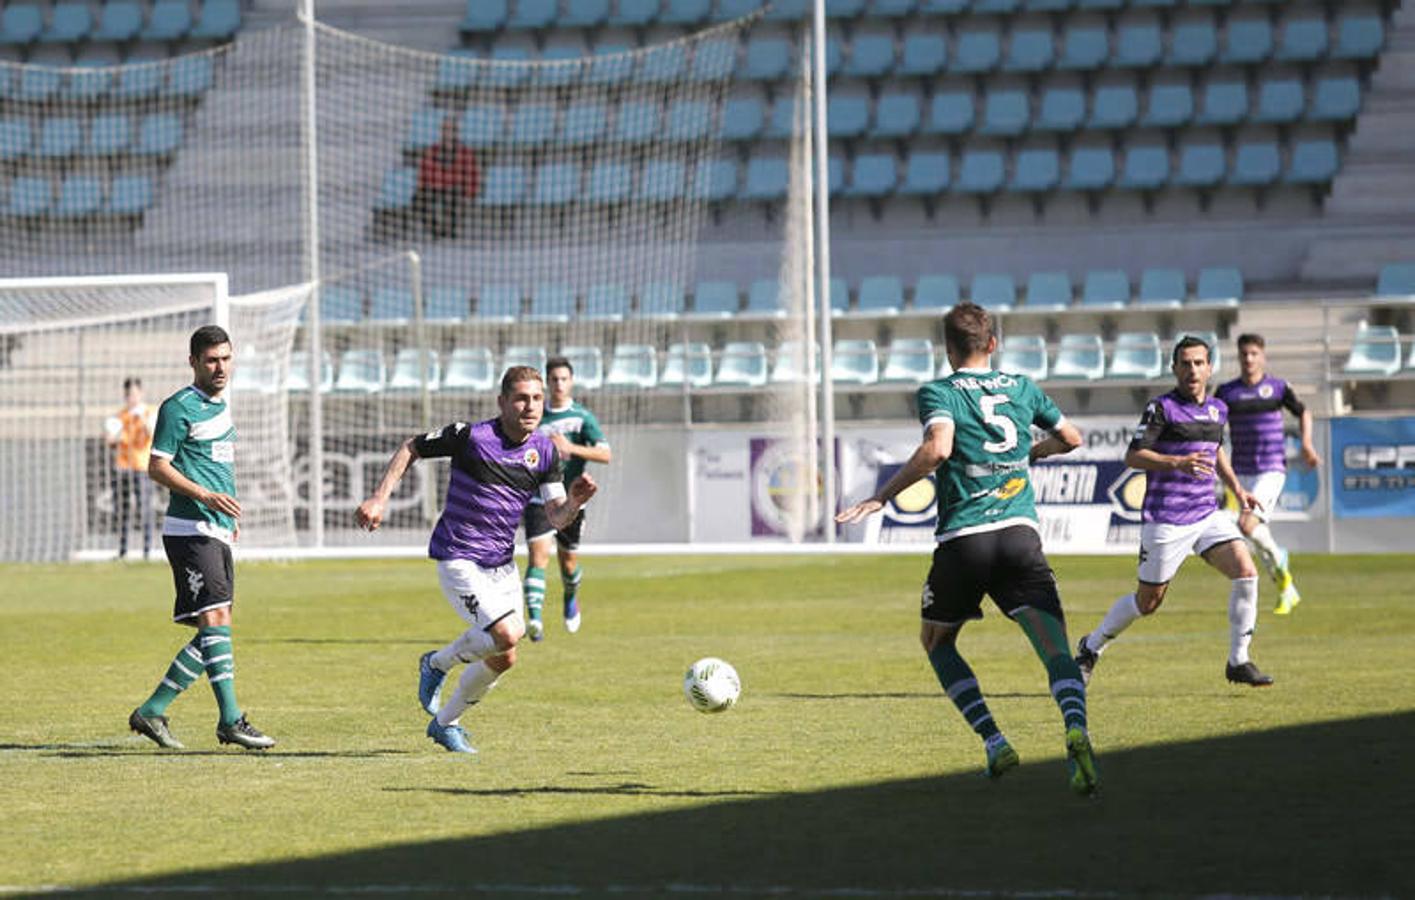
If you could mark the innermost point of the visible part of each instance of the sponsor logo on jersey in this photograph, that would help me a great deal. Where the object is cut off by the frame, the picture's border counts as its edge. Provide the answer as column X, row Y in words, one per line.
column 1010, row 488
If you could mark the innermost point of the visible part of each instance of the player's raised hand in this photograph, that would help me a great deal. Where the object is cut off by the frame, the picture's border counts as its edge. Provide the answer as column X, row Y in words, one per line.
column 859, row 512
column 369, row 515
column 582, row 489
column 224, row 503
column 1196, row 464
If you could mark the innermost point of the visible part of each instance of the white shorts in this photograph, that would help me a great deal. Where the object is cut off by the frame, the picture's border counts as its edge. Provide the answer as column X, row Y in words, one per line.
column 1267, row 487
column 1164, row 547
column 482, row 597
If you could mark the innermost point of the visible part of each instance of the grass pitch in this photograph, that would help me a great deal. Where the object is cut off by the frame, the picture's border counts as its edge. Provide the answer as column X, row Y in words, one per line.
column 843, row 770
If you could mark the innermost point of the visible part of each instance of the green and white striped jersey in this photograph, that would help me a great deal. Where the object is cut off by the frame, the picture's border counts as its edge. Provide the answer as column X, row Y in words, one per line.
column 580, row 427
column 985, row 484
column 197, row 434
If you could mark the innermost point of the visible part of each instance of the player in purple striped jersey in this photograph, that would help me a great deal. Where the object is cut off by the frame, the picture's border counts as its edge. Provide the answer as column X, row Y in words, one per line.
column 1179, row 445
column 497, row 466
column 1255, row 403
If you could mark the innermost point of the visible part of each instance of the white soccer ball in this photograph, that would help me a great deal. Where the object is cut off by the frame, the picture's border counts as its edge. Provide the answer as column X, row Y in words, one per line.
column 712, row 685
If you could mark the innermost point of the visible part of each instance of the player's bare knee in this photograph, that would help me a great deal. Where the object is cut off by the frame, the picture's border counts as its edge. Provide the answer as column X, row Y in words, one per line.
column 501, row 661
column 1148, row 598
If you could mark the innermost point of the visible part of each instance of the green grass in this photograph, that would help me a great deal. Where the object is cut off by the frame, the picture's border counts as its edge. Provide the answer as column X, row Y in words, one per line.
column 842, row 767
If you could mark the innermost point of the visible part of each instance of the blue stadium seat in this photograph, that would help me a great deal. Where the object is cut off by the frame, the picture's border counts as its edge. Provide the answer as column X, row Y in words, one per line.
column 1105, row 289
column 1313, row 161
column 1219, row 286
column 80, row 196
column 1170, row 105
column 1256, row 164
column 896, row 115
column 923, row 54
column 131, row 195
column 844, row 9
column 713, row 60
column 446, row 304
column 1162, row 288
column 950, row 112
column 1374, row 351
column 996, row 7
column 1006, row 113
column 742, row 119
column 503, row 185
column 632, row 12
column 743, row 364
column 59, row 138
column 361, row 372
column 881, row 295
column 561, row 57
column 834, row 54
column 170, row 20
column 1085, row 47
column 414, row 367
column 20, row 23
column 551, row 303
column 395, row 195
column 1139, row 44
column 1048, row 5
column 532, row 355
column 532, row 14
column 662, row 300
column 610, row 182
column 611, row 64
column 1302, row 37
column 935, row 292
column 686, row 364
column 1192, row 42
column 714, row 180
column 997, row 293
column 684, row 12
column 1336, row 98
column 855, row 361
column 1281, row 99
column 1092, row 169
column 456, row 72
column 30, row 196
column 1023, row 354
column 981, row 172
column 507, row 76
column 873, row 175
column 909, row 361
column 140, row 80
column 584, row 123
column 1114, row 106
column 1079, row 357
column 891, row 9
column 663, row 64
column 607, row 302
column 718, row 299
column 38, row 83
column 632, row 367
column 871, row 55
column 584, row 13
column 70, row 22
column 1036, row 169
column 941, row 7
column 482, row 125
column 1202, row 163
column 727, row 10
column 1137, row 355
column 1247, row 40
column 557, row 184
column 766, row 178
column 190, row 77
column 90, row 79
column 639, row 121
column 976, row 50
column 109, row 135
column 1225, row 103
column 1100, row 4
column 1359, row 35
column 1063, row 108
column 469, row 369
column 925, row 174
column 120, row 21
column 499, row 301
column 835, row 171
column 662, row 181
column 839, row 296
column 425, row 128
column 1396, row 280
column 1146, row 167
column 764, row 298
column 1029, row 49
column 847, row 114
column 219, row 20
column 16, row 139
column 391, row 305
column 1049, row 291
column 766, row 59
column 688, row 120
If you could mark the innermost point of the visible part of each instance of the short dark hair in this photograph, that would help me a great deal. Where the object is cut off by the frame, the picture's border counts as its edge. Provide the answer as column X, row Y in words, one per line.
column 967, row 327
column 132, row 381
column 1250, row 338
column 208, row 336
column 516, row 375
column 1188, row 341
column 558, row 362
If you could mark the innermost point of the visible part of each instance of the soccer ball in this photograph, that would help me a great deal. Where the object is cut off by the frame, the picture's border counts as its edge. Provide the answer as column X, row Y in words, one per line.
column 712, row 685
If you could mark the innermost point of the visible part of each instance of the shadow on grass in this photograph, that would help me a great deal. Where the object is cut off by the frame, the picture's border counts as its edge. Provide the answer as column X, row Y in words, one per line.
column 1317, row 809
column 898, row 695
column 132, row 748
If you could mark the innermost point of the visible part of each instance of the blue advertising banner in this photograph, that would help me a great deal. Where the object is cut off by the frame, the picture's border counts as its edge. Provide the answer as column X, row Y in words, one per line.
column 1373, row 463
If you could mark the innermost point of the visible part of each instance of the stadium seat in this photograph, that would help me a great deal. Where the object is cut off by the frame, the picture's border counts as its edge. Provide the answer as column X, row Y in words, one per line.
column 131, row 196
column 411, row 366
column 1396, row 281
column 923, row 55
column 686, row 364
column 713, row 60
column 395, row 195
column 873, row 175
column 742, row 119
column 90, row 79
column 854, row 361
column 764, row 298
column 639, row 121
column 1023, row 354
column 996, row 293
column 935, row 293
column 881, row 295
column 728, row 10
column 256, row 372
column 1139, row 44
column 588, row 366
column 1105, row 289
column 583, row 123
column 896, row 116
column 766, row 179
column 190, row 77
column 1146, row 167
column 532, row 125
column 424, row 129
column 684, row 12
column 1063, row 108
column 1247, row 40
column 532, row 14
column 891, row 9
column 663, row 64
column 1048, row 291
column 21, row 23
column 844, row 9
column 30, row 196
column 297, row 378
column 1218, row 286
column 119, row 22
column 485, row 16
column 361, row 372
column 551, row 303
column 782, row 122
column 563, row 58
column 633, row 12
column 1137, row 355
column 1100, row 4
column 1006, row 113
column 80, row 196
column 1302, row 37
column 1029, row 49
column 340, row 303
column 1225, row 103
column 499, row 302
column 663, row 300
column 871, row 55
column 1036, row 169
column 1162, row 288
column 1281, row 100
column 766, row 59
column 1359, row 35
column 444, row 303
column 1079, row 357
column 508, row 76
column 981, row 172
column 941, row 7
column 610, row 183
column 1192, row 42
column 610, row 64
column 976, row 50
column 557, row 184
column 632, row 367
column 1170, row 105
column 532, row 355
column 169, row 20
column 1085, row 47
column 1314, row 161
column 59, row 138
column 1256, row 164
column 503, row 186
column 743, row 364
column 663, row 181
column 1210, row 340
column 1375, row 351
column 789, row 366
column 140, row 80
column 71, row 22
column 1336, row 98
column 950, row 112
column 38, row 83
column 848, row 114
column 1114, row 106
column 716, row 299
column 470, row 369
column 219, row 20
column 1092, row 169
column 908, row 361
column 391, row 305
column 714, row 180
column 16, row 139
column 925, row 174
column 606, row 302
column 839, row 296
column 584, row 13
column 1202, row 163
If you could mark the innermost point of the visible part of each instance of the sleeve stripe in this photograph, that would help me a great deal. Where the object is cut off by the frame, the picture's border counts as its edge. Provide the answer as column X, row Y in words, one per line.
column 937, row 416
column 162, row 454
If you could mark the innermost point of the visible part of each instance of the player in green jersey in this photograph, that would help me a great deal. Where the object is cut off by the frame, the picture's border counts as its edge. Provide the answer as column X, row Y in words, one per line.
column 194, row 457
column 579, row 439
column 978, row 445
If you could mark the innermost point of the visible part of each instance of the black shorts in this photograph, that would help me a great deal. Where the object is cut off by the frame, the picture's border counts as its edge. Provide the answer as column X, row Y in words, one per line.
column 537, row 525
column 1007, row 565
column 202, row 572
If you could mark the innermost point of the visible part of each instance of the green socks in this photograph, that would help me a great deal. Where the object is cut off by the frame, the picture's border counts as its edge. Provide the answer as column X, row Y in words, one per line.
column 185, row 669
column 220, row 666
column 572, row 585
column 962, row 688
column 535, row 590
column 1048, row 637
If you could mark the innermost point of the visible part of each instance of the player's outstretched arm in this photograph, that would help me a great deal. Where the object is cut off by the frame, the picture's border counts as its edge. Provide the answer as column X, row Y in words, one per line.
column 928, row 456
column 161, row 470
column 1064, row 439
column 369, row 515
column 589, row 453
column 562, row 511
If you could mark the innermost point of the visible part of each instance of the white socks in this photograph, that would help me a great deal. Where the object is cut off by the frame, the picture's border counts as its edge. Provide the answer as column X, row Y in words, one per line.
column 1242, row 617
column 1122, row 613
column 472, row 645
column 476, row 680
column 1266, row 548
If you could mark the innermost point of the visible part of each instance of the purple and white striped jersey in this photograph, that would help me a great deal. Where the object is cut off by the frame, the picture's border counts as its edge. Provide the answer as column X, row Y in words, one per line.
column 1177, row 426
column 1255, row 422
column 492, row 481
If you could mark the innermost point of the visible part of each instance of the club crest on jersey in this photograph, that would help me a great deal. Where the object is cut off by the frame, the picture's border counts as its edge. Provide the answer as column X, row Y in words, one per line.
column 532, row 457
column 1265, row 391
column 1213, row 413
